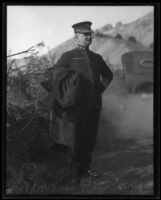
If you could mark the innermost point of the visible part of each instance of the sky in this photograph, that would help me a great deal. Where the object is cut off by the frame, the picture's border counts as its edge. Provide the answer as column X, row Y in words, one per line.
column 29, row 25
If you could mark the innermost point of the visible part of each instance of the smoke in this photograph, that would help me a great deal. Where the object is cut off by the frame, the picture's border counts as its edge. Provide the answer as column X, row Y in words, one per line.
column 130, row 115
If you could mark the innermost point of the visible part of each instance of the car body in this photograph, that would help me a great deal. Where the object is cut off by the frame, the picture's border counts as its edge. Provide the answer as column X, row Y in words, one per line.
column 138, row 71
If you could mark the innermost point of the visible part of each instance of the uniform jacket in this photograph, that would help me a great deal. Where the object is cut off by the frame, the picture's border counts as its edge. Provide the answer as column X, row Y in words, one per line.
column 65, row 87
column 90, row 67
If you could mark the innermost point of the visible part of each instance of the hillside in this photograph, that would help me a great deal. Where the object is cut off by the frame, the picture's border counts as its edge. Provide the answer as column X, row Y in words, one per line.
column 112, row 42
column 141, row 29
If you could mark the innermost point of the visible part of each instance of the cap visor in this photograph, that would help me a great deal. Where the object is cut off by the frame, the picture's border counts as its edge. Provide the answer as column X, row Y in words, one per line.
column 84, row 31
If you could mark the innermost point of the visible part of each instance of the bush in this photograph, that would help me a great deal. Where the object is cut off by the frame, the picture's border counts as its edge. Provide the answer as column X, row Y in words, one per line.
column 99, row 34
column 118, row 25
column 132, row 39
column 118, row 36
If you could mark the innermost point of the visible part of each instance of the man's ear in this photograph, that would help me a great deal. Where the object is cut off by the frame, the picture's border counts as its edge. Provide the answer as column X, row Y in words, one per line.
column 76, row 36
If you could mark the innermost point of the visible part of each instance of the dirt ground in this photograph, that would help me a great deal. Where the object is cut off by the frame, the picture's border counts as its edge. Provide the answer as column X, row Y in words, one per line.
column 125, row 161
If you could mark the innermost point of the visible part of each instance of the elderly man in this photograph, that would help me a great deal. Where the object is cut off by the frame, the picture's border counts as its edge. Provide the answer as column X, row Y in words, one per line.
column 90, row 67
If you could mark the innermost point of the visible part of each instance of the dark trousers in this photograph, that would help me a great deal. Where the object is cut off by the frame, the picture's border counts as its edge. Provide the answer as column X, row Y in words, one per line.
column 85, row 137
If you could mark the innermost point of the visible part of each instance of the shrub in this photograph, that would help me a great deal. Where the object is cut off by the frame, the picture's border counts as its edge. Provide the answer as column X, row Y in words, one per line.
column 132, row 39
column 118, row 36
column 118, row 25
column 99, row 34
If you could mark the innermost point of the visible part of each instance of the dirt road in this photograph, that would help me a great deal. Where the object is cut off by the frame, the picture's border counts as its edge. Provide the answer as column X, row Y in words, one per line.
column 124, row 151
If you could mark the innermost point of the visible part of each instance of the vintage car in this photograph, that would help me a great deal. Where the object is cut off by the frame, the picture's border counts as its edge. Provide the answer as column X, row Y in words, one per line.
column 138, row 72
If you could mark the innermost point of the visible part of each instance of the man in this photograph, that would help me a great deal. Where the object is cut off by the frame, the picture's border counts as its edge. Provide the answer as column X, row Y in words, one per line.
column 90, row 67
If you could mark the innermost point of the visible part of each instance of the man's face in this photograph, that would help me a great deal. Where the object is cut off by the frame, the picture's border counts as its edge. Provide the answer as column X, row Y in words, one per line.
column 83, row 39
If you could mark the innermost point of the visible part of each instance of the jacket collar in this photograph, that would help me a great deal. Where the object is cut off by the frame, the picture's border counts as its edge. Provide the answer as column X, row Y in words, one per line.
column 82, row 48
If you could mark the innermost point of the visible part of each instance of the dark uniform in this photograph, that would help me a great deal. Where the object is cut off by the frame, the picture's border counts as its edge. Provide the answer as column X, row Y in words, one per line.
column 90, row 67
